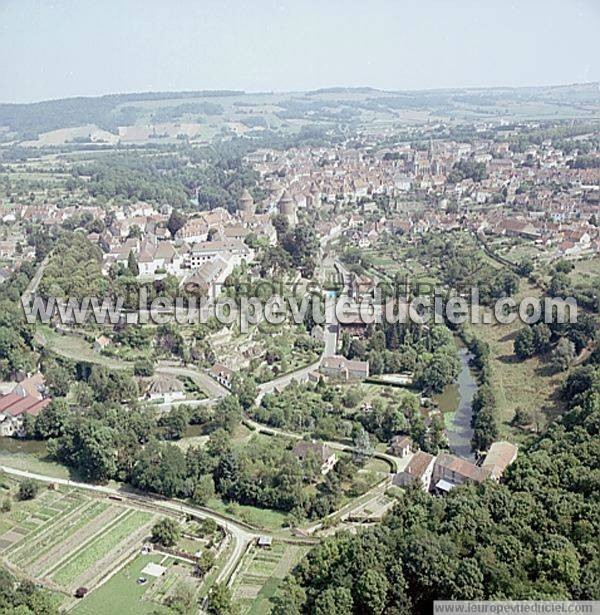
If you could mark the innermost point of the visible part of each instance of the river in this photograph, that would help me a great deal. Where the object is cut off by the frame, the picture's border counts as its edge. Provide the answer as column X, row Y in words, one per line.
column 455, row 402
column 15, row 446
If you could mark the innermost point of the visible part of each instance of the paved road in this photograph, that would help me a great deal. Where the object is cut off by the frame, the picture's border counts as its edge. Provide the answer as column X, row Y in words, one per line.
column 34, row 282
column 396, row 463
column 201, row 378
column 300, row 375
column 240, row 535
column 331, row 337
column 345, row 275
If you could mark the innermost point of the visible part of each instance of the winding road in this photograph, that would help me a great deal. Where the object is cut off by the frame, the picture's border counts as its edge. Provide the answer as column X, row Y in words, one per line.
column 202, row 379
column 396, row 463
column 241, row 535
column 31, row 288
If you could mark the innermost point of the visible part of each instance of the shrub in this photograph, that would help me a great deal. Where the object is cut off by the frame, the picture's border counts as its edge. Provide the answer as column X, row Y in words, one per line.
column 28, row 489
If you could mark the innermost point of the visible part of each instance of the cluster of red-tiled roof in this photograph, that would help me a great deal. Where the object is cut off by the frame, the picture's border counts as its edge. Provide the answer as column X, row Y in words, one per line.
column 15, row 404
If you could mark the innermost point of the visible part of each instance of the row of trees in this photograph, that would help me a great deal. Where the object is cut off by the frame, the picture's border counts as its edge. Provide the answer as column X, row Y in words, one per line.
column 16, row 336
column 106, row 434
column 483, row 418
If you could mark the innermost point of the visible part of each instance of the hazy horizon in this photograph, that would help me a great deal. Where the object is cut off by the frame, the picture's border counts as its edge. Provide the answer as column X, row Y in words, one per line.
column 66, row 48
column 296, row 90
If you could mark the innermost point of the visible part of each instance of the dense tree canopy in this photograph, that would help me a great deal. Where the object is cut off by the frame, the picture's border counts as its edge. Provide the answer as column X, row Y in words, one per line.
column 533, row 537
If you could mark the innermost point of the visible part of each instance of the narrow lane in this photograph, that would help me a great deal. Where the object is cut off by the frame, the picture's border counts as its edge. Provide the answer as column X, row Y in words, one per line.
column 240, row 535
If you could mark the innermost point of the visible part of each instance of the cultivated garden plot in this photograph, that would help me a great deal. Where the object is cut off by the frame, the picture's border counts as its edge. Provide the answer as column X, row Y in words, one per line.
column 179, row 575
column 68, row 539
column 260, row 574
column 123, row 593
column 94, row 559
column 44, row 552
column 27, row 521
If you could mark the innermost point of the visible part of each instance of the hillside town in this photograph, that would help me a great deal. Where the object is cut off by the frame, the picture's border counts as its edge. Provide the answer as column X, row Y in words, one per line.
column 362, row 193
column 311, row 347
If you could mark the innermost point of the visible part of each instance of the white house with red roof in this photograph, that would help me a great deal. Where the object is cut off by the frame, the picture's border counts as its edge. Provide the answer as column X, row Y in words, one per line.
column 27, row 398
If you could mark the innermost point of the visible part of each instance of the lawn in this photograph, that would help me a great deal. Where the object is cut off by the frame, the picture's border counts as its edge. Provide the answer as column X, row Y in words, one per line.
column 525, row 250
column 259, row 517
column 190, row 545
column 30, row 461
column 376, row 465
column 195, row 436
column 585, row 270
column 76, row 348
column 518, row 384
column 122, row 594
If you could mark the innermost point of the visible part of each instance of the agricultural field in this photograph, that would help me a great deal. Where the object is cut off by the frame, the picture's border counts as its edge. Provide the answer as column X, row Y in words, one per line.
column 94, row 558
column 260, row 574
column 124, row 595
column 67, row 539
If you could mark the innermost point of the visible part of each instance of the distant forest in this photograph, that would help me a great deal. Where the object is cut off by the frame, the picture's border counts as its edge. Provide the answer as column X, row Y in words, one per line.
column 29, row 120
column 326, row 106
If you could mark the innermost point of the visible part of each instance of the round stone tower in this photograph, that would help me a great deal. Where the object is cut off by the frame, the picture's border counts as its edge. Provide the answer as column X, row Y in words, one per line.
column 287, row 207
column 246, row 205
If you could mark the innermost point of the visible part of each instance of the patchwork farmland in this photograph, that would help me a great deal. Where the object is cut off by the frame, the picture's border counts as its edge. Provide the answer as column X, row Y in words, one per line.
column 66, row 539
column 261, row 573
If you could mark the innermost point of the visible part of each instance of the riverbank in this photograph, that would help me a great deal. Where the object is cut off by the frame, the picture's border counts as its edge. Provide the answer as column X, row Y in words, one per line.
column 456, row 404
column 30, row 455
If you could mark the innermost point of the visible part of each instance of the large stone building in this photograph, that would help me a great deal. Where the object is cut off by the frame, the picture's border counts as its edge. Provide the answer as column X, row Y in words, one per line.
column 450, row 471
column 418, row 471
column 247, row 206
column 324, row 455
column 287, row 207
column 499, row 457
column 345, row 369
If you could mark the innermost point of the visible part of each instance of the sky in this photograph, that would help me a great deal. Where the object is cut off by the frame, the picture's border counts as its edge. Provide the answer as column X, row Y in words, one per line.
column 57, row 49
